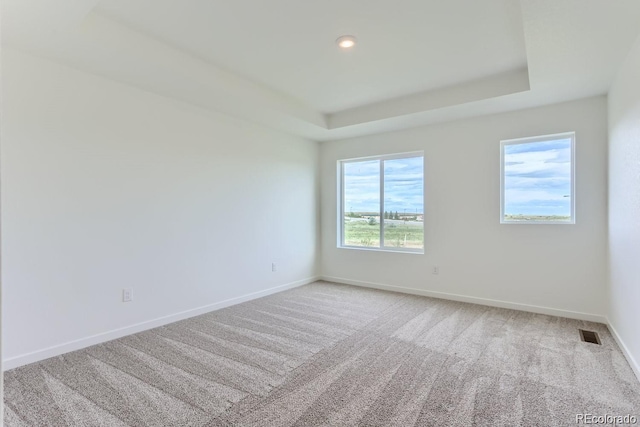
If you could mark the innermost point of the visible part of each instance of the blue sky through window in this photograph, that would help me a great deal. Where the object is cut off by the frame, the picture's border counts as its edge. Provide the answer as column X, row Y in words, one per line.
column 403, row 186
column 537, row 178
column 362, row 186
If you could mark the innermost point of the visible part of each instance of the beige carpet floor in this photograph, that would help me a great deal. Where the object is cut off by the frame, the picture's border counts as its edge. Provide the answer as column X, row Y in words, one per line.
column 334, row 355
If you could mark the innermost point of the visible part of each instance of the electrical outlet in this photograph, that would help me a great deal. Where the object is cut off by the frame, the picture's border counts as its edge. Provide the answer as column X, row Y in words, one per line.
column 127, row 295
column 274, row 268
column 435, row 270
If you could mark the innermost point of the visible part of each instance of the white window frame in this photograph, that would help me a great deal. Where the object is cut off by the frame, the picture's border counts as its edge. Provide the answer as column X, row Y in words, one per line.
column 342, row 205
column 532, row 139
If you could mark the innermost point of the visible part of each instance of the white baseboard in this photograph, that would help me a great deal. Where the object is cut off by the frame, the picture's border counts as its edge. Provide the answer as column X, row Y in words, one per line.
column 635, row 366
column 57, row 350
column 474, row 300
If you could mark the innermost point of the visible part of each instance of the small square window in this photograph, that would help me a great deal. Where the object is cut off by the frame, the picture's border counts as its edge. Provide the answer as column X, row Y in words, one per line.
column 537, row 180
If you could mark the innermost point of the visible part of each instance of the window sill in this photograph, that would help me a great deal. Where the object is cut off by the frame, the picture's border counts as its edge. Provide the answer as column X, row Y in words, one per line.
column 396, row 251
column 539, row 222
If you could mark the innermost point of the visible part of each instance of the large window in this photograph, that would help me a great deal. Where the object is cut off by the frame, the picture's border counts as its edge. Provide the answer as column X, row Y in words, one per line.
column 537, row 180
column 382, row 203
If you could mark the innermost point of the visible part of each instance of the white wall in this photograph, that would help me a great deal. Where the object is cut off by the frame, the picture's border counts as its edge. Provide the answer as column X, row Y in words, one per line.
column 624, row 205
column 106, row 187
column 559, row 267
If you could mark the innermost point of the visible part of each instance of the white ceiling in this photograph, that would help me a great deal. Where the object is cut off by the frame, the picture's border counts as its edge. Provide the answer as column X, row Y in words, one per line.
column 276, row 63
column 289, row 45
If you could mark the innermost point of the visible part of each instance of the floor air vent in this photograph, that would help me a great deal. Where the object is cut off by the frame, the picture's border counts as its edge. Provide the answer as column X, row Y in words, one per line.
column 589, row 336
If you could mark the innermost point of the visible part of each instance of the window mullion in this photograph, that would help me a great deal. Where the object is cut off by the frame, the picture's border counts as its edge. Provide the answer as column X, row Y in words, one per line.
column 381, row 203
column 342, row 205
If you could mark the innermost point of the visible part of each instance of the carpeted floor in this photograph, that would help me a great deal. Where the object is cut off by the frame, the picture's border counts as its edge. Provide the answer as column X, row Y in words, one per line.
column 327, row 354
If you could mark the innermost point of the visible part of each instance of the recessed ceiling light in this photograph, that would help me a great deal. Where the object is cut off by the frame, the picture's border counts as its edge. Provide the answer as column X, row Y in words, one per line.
column 346, row 42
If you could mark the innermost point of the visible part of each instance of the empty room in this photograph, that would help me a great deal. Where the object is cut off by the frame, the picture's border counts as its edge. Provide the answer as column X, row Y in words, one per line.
column 331, row 213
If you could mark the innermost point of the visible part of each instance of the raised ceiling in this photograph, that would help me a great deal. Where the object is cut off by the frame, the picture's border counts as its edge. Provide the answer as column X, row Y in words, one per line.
column 289, row 45
column 276, row 63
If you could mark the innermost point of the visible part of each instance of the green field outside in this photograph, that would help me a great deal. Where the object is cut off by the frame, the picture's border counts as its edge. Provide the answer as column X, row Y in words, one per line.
column 533, row 218
column 397, row 233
